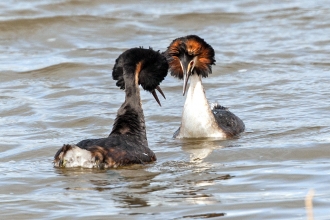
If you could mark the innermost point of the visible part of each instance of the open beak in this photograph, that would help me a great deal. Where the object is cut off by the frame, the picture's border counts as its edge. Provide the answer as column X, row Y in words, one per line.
column 153, row 92
column 187, row 68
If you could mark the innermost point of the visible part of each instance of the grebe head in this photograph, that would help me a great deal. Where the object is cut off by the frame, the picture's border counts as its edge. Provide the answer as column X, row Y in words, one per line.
column 189, row 55
column 148, row 66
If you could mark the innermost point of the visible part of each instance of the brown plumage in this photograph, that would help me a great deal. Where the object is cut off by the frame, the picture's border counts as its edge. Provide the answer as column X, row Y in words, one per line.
column 190, row 46
column 127, row 142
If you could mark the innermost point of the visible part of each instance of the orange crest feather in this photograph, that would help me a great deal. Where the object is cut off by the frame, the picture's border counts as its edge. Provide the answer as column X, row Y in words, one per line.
column 191, row 45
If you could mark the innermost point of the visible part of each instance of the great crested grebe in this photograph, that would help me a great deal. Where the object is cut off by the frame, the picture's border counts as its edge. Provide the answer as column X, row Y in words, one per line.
column 191, row 57
column 127, row 142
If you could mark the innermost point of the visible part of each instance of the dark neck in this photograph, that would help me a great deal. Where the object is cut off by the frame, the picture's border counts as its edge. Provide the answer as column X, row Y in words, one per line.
column 130, row 118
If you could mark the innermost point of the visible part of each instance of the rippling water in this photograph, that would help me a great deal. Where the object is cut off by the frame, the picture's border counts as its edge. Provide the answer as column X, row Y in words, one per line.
column 272, row 71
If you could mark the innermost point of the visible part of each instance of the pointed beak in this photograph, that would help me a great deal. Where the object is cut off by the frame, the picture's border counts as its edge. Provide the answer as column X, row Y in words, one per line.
column 187, row 67
column 153, row 92
column 186, row 76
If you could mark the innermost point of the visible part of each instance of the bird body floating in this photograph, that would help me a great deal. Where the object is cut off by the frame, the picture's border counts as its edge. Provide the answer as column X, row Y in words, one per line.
column 127, row 142
column 192, row 58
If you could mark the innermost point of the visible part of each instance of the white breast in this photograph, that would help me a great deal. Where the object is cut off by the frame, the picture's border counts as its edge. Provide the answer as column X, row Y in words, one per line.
column 197, row 118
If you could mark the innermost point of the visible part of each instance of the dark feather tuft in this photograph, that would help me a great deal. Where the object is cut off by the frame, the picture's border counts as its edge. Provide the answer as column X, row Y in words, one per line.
column 152, row 71
column 118, row 72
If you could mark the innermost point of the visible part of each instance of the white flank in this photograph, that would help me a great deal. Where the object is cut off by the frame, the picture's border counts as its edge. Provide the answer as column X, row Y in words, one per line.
column 77, row 157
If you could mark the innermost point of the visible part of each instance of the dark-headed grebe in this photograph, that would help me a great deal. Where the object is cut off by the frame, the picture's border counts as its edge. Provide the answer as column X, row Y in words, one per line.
column 127, row 142
column 191, row 57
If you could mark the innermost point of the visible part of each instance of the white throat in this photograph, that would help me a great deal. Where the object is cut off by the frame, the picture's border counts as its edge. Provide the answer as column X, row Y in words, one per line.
column 197, row 117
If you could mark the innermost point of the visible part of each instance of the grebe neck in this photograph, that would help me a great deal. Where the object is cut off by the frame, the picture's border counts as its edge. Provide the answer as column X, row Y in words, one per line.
column 197, row 117
column 130, row 117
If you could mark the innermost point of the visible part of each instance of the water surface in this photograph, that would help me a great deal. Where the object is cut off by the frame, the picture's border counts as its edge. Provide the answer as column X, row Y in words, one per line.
column 272, row 70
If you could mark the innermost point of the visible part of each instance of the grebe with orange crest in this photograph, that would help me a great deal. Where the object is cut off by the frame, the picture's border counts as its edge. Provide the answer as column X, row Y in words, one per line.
column 190, row 58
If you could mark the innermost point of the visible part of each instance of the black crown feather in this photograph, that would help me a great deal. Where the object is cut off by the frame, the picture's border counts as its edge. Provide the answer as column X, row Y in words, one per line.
column 153, row 68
